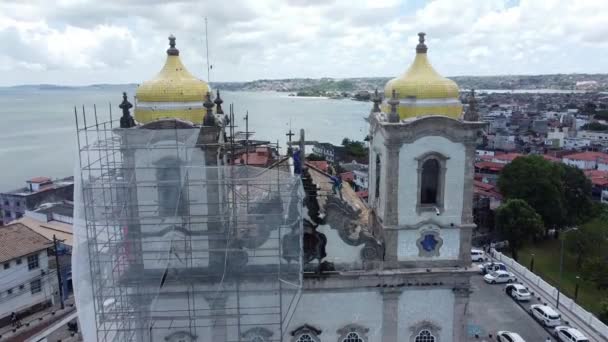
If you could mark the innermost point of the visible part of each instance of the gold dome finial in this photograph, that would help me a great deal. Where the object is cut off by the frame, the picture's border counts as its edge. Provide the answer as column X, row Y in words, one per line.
column 172, row 51
column 173, row 93
column 423, row 91
column 421, row 47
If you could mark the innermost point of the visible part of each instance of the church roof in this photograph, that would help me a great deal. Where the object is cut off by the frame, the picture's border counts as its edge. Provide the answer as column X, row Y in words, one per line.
column 173, row 93
column 423, row 91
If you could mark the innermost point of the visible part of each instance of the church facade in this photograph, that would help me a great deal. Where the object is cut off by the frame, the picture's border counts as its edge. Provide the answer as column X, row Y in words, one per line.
column 207, row 251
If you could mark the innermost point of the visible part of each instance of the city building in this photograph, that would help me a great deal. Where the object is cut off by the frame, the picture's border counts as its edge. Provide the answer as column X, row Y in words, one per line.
column 39, row 190
column 600, row 138
column 172, row 243
column 330, row 152
column 599, row 182
column 586, row 160
column 573, row 144
column 261, row 156
column 361, row 179
column 26, row 284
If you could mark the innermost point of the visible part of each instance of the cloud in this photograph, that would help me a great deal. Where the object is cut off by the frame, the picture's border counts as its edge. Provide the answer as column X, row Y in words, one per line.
column 89, row 41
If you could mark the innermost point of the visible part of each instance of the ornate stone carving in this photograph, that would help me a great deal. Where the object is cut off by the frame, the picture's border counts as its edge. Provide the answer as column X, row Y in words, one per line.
column 393, row 116
column 361, row 332
column 308, row 330
column 209, row 119
column 126, row 121
column 181, row 336
column 429, row 243
column 218, row 103
column 471, row 113
column 252, row 333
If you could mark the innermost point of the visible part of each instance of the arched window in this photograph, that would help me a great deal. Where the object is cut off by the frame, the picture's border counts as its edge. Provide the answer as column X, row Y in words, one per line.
column 425, row 336
column 429, row 182
column 257, row 334
column 352, row 337
column 305, row 338
column 171, row 201
column 306, row 333
column 353, row 333
column 257, row 338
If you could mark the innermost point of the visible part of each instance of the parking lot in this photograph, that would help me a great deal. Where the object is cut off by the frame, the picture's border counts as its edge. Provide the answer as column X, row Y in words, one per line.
column 491, row 310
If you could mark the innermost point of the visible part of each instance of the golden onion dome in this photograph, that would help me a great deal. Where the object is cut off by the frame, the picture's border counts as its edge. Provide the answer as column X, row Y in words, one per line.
column 422, row 90
column 173, row 93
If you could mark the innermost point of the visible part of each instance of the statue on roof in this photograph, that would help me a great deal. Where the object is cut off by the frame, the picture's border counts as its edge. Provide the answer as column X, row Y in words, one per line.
column 126, row 120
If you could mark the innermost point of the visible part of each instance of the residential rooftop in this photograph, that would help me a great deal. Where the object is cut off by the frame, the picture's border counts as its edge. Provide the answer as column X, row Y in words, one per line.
column 42, row 184
column 17, row 240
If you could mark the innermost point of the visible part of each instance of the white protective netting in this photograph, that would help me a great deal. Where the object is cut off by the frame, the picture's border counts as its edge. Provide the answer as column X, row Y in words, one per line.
column 169, row 244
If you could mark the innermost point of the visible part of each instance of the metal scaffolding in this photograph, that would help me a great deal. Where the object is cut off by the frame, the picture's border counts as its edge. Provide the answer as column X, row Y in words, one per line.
column 171, row 241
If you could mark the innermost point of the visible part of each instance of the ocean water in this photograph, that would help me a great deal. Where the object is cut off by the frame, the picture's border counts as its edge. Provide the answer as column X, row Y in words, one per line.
column 38, row 131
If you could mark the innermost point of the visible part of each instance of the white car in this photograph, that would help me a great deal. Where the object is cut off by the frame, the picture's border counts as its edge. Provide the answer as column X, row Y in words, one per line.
column 477, row 255
column 499, row 277
column 507, row 336
column 518, row 292
column 568, row 334
column 546, row 315
column 491, row 267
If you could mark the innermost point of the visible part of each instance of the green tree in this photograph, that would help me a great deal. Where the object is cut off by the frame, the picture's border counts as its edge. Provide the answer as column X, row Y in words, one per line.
column 595, row 126
column 538, row 182
column 589, row 241
column 595, row 269
column 518, row 223
column 577, row 195
column 603, row 315
column 315, row 157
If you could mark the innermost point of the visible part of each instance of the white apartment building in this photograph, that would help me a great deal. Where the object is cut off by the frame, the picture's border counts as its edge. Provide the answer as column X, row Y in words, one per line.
column 361, row 179
column 26, row 285
column 587, row 160
column 595, row 137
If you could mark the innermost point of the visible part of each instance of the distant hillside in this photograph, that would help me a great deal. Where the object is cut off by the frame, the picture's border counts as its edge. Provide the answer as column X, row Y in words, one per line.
column 63, row 87
column 597, row 82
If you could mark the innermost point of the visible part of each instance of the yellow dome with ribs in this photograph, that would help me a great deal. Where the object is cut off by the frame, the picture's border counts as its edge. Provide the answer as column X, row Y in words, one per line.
column 173, row 93
column 423, row 91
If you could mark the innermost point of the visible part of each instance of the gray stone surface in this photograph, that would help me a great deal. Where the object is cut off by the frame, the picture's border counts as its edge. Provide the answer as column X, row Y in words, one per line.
column 491, row 310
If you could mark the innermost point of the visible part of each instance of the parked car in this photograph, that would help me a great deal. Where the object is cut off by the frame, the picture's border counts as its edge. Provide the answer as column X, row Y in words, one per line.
column 491, row 267
column 546, row 315
column 499, row 277
column 569, row 334
column 508, row 336
column 477, row 255
column 518, row 292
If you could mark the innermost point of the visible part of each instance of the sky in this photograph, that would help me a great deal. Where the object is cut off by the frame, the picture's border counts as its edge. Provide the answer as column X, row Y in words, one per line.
column 79, row 42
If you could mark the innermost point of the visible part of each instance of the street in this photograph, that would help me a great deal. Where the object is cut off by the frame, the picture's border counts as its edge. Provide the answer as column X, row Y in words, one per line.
column 491, row 310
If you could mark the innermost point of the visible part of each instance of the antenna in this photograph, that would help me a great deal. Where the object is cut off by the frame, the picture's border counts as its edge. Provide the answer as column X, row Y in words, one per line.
column 207, row 48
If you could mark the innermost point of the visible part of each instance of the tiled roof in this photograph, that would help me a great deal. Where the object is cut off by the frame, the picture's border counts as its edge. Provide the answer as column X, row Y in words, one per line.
column 490, row 166
column 62, row 231
column 347, row 176
column 39, row 179
column 588, row 156
column 18, row 240
column 551, row 158
column 320, row 164
column 507, row 156
column 597, row 177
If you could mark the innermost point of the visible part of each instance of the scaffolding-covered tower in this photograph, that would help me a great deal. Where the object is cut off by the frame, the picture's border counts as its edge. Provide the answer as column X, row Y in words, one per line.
column 172, row 243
